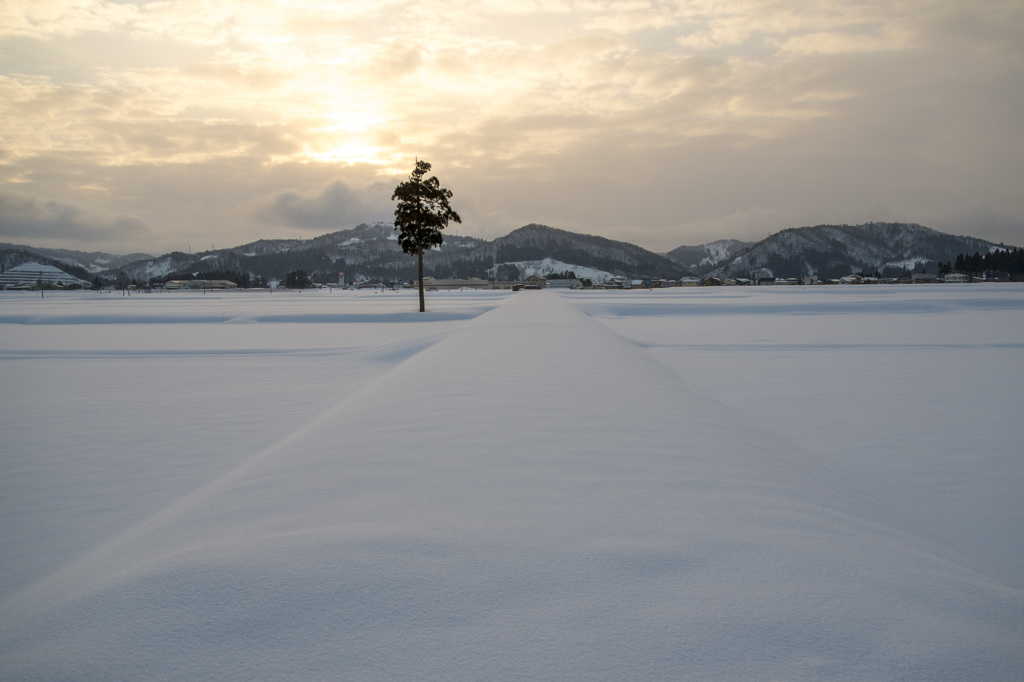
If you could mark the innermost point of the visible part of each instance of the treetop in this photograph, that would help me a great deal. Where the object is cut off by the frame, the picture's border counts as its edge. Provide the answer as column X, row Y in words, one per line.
column 422, row 211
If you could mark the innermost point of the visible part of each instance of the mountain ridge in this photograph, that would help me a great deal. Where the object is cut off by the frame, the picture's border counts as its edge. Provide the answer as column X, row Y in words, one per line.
column 370, row 251
column 830, row 251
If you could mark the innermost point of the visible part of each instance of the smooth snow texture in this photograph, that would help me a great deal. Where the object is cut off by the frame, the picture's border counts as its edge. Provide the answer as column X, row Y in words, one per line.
column 731, row 484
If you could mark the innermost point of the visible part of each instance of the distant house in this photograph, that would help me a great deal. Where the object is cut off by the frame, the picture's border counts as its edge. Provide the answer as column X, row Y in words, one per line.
column 564, row 284
column 536, row 282
column 175, row 284
column 955, row 278
column 27, row 275
column 448, row 284
column 923, row 278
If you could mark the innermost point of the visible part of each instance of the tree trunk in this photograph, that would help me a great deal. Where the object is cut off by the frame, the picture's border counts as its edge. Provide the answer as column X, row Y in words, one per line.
column 423, row 305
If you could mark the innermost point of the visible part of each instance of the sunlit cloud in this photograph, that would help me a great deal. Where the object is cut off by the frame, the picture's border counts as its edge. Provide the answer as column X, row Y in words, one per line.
column 633, row 17
column 832, row 42
column 335, row 204
column 270, row 98
column 44, row 19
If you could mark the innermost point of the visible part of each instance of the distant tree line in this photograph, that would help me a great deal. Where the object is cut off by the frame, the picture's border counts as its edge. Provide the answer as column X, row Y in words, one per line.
column 507, row 272
column 243, row 279
column 298, row 279
column 1008, row 263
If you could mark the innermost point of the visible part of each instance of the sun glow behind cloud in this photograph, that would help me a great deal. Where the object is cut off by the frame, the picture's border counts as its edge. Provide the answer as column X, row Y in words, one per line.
column 422, row 70
column 494, row 91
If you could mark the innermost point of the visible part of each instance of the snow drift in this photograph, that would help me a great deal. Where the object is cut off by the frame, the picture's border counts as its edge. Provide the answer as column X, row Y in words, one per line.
column 514, row 492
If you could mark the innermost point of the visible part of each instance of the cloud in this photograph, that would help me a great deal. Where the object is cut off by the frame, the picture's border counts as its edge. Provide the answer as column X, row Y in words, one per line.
column 49, row 18
column 837, row 42
column 997, row 226
column 635, row 17
column 333, row 207
column 654, row 118
column 25, row 217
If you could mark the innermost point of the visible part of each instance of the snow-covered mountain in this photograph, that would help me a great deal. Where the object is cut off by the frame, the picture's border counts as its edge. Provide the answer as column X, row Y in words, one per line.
column 89, row 261
column 520, row 270
column 705, row 257
column 838, row 250
column 371, row 251
column 583, row 252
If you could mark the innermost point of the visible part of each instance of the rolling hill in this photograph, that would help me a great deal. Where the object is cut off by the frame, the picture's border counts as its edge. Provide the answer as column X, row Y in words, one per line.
column 371, row 252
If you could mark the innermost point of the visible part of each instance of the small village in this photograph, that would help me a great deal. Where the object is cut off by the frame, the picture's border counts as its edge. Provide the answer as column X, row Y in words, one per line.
column 36, row 276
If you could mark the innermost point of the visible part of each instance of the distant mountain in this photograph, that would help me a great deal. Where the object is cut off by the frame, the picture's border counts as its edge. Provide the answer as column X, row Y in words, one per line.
column 539, row 242
column 832, row 251
column 89, row 261
column 706, row 257
column 372, row 252
column 369, row 245
column 11, row 256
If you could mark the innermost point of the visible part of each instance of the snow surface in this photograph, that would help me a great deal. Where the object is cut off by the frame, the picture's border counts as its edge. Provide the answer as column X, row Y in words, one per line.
column 803, row 483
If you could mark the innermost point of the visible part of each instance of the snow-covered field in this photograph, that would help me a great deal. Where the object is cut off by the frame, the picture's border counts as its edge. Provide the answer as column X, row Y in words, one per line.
column 714, row 484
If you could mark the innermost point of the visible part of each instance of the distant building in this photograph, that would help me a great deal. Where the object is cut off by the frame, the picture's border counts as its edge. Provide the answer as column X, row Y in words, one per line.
column 536, row 282
column 923, row 278
column 175, row 284
column 27, row 275
column 955, row 277
column 449, row 284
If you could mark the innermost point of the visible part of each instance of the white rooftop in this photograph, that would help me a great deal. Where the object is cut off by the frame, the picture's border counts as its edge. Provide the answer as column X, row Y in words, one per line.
column 31, row 273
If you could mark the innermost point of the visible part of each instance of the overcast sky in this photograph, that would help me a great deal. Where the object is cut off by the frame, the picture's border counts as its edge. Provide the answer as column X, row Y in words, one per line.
column 157, row 126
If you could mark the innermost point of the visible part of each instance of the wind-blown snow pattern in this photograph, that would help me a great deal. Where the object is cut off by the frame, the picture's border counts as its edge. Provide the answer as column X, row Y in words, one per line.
column 539, row 485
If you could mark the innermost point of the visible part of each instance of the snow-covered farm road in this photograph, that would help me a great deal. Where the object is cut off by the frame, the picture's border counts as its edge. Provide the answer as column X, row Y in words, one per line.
column 527, row 495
